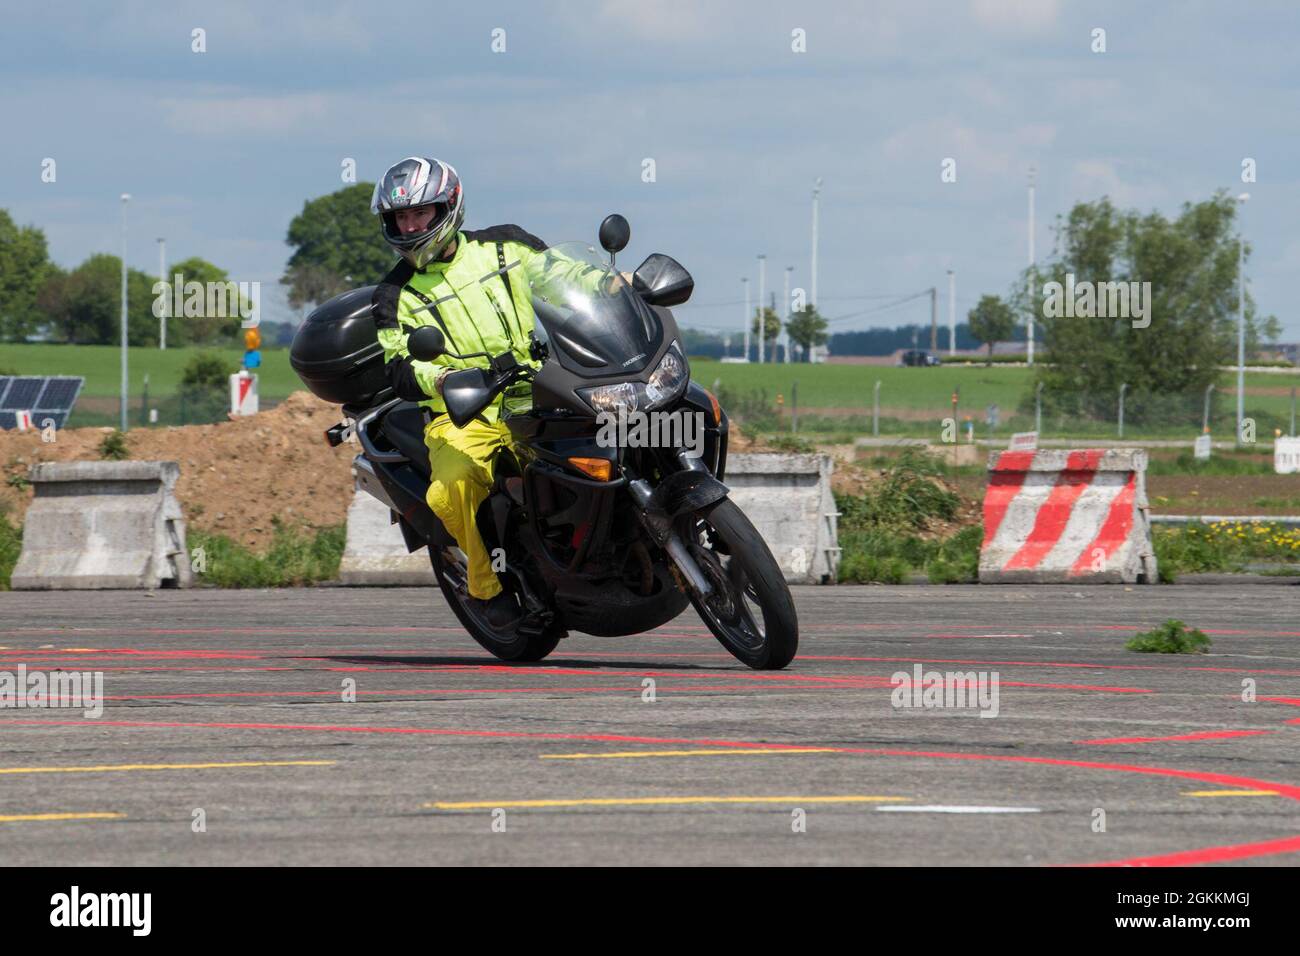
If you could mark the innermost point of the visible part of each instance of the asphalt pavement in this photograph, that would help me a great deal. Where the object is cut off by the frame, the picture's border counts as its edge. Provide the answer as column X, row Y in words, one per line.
column 363, row 726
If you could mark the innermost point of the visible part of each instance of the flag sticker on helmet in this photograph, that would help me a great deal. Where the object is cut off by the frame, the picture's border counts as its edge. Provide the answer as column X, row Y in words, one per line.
column 399, row 192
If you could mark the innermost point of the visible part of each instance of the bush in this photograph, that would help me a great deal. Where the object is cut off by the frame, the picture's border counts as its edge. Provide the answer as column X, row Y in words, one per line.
column 907, row 497
column 1171, row 637
column 113, row 446
column 11, row 544
column 297, row 556
column 205, row 371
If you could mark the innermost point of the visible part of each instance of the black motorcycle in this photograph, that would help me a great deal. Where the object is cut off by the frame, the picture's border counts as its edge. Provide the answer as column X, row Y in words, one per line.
column 592, row 535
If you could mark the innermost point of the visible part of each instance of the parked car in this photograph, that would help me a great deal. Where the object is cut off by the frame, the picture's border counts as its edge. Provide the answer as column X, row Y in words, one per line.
column 919, row 357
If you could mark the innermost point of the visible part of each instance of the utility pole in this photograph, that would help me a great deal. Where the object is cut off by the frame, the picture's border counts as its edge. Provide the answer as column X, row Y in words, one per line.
column 934, row 319
column 817, row 188
column 952, row 312
column 1032, row 302
column 1241, row 326
column 785, row 322
column 126, row 198
column 748, row 317
column 762, row 317
column 162, row 277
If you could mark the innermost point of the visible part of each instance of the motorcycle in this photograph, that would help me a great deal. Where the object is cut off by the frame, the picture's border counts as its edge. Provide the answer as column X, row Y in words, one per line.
column 610, row 538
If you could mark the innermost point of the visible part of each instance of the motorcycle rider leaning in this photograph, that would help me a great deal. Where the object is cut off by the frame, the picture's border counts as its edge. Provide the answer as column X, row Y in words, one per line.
column 476, row 286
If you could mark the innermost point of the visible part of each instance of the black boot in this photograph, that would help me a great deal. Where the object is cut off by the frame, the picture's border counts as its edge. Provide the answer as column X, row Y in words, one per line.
column 500, row 611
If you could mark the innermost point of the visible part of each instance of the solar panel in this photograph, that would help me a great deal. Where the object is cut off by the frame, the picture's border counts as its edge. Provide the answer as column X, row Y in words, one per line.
column 60, row 394
column 45, row 396
column 40, row 418
column 23, row 392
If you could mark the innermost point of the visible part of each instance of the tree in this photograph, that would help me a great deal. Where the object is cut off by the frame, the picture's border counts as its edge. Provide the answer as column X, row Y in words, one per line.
column 806, row 328
column 772, row 328
column 1168, row 357
column 85, row 305
column 992, row 320
column 216, row 325
column 24, row 269
column 336, row 235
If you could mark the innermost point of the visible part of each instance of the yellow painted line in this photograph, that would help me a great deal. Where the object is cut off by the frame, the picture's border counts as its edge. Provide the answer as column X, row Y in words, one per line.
column 29, row 817
column 651, row 802
column 690, row 753
column 1230, row 793
column 171, row 766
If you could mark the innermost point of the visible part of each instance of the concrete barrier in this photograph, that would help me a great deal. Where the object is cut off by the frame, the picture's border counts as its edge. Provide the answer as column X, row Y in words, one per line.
column 788, row 498
column 103, row 524
column 1067, row 517
column 375, row 553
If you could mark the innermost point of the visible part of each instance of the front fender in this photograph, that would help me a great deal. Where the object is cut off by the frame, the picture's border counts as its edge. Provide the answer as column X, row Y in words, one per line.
column 679, row 493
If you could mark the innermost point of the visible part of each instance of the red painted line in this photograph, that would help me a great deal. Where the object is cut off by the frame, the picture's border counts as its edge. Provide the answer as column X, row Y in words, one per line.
column 1213, row 854
column 1013, row 461
column 1114, row 530
column 1054, row 513
column 398, row 692
column 1204, row 735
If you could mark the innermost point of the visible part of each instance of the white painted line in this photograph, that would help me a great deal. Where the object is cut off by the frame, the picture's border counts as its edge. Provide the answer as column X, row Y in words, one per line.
column 950, row 809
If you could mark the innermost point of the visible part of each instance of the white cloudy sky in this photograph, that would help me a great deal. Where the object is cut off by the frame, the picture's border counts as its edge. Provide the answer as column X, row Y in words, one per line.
column 221, row 149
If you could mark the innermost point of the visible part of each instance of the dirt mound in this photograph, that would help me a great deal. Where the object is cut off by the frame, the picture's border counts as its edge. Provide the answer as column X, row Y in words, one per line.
column 235, row 476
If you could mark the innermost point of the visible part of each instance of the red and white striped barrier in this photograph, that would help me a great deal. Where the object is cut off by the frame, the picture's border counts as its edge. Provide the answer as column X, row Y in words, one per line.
column 1063, row 516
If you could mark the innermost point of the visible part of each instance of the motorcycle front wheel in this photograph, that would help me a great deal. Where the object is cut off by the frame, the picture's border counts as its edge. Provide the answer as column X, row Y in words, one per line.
column 750, row 610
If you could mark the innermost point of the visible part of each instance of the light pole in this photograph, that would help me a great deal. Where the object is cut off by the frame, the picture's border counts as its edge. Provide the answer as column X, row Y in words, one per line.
column 817, row 188
column 748, row 317
column 1030, row 327
column 162, row 277
column 762, row 316
column 126, row 198
column 1241, row 326
column 786, row 321
column 1122, row 389
column 952, row 313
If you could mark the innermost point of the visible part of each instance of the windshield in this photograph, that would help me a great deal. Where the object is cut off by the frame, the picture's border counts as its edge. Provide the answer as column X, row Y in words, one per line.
column 594, row 322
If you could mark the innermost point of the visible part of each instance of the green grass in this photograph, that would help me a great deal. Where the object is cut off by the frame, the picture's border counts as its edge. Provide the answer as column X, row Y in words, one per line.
column 1223, row 546
column 295, row 557
column 930, row 390
column 1171, row 637
column 101, row 366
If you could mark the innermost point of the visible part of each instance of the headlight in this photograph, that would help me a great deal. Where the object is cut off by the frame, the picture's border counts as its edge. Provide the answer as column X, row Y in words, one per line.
column 667, row 382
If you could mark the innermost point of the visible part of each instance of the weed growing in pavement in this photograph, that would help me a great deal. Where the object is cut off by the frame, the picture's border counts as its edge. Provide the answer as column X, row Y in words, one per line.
column 1171, row 637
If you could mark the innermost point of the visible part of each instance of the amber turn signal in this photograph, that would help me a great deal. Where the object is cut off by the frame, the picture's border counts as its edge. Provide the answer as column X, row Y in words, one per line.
column 598, row 468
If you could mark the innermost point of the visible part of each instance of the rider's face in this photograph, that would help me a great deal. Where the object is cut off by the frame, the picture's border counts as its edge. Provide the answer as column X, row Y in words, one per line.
column 411, row 221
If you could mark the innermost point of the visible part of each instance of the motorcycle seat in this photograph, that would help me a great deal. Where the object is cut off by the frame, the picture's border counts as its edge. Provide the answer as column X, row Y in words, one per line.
column 404, row 427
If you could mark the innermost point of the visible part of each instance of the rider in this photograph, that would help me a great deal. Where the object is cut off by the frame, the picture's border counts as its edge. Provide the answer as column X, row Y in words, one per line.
column 476, row 287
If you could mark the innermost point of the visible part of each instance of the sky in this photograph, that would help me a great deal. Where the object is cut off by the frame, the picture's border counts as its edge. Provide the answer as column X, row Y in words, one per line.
column 220, row 149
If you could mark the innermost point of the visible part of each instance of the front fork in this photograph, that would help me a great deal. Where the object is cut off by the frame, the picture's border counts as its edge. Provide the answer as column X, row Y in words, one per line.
column 661, row 529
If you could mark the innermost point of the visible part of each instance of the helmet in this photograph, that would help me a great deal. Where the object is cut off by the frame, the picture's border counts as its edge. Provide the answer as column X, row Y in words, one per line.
column 418, row 181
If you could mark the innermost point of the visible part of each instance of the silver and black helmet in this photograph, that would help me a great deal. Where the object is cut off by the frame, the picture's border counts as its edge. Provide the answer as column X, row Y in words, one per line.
column 419, row 181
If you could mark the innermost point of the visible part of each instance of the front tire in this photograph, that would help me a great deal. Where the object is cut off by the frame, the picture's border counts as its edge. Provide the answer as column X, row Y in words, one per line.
column 506, row 644
column 747, row 585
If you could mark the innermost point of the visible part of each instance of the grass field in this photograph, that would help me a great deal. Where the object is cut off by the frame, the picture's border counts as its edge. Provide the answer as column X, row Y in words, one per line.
column 831, row 398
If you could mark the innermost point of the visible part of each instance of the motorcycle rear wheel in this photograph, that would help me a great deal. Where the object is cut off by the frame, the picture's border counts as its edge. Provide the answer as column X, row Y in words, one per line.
column 507, row 644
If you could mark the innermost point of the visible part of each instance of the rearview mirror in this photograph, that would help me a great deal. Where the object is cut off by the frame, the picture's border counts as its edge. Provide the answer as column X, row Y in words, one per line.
column 465, row 393
column 662, row 280
column 614, row 233
column 426, row 343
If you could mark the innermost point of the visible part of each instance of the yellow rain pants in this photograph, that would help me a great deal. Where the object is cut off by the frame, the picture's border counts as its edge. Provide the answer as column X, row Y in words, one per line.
column 461, row 462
